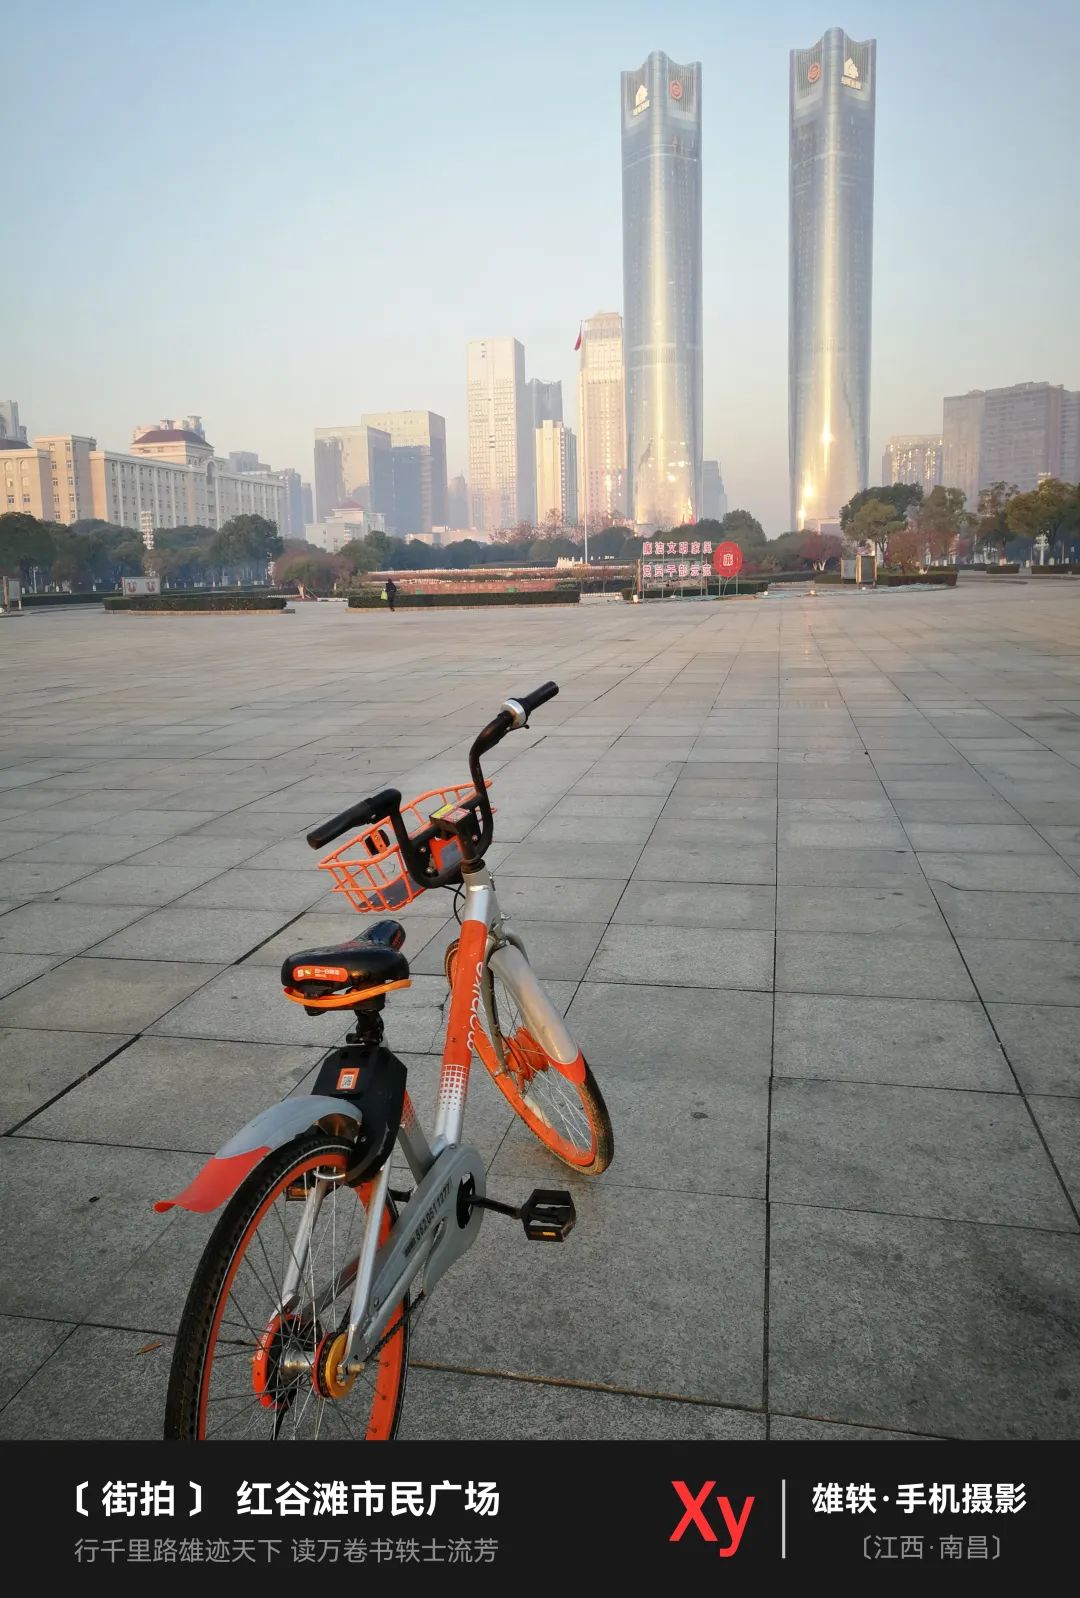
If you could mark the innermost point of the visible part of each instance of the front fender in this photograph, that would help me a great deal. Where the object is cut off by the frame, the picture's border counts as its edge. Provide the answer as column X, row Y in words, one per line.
column 223, row 1174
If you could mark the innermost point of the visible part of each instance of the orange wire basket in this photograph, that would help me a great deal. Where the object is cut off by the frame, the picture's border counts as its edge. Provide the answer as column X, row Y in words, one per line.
column 369, row 869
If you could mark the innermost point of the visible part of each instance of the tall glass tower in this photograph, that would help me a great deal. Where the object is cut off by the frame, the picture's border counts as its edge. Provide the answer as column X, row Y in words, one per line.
column 831, row 260
column 661, row 157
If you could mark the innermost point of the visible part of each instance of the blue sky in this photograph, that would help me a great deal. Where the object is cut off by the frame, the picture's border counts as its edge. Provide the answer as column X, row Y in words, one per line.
column 281, row 216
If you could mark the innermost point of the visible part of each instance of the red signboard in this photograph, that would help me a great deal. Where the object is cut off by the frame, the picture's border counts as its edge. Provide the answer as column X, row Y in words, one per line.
column 675, row 89
column 727, row 560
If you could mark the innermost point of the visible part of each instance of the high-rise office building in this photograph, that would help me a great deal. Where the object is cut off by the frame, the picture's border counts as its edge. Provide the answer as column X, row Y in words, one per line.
column 353, row 465
column 10, row 427
column 1070, row 436
column 457, row 503
column 307, row 505
column 502, row 459
column 713, row 497
column 912, row 458
column 418, row 445
column 1010, row 435
column 545, row 400
column 289, row 478
column 661, row 161
column 556, row 475
column 831, row 249
column 246, row 460
column 602, row 420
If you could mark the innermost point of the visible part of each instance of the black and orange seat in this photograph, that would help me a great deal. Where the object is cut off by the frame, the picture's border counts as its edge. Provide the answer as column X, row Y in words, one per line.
column 340, row 973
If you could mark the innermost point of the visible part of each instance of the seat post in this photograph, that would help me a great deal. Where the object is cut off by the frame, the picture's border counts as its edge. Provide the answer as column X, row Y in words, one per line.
column 368, row 1031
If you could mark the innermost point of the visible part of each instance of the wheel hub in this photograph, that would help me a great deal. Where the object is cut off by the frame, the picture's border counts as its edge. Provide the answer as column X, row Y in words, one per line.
column 328, row 1382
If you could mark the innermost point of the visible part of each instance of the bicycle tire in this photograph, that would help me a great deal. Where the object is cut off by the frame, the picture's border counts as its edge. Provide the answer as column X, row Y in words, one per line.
column 256, row 1352
column 522, row 1064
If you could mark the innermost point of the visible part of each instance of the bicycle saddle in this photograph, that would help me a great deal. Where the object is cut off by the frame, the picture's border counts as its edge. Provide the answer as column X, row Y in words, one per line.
column 369, row 961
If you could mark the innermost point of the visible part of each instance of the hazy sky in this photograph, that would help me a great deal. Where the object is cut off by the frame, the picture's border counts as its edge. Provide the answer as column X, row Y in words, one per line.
column 282, row 215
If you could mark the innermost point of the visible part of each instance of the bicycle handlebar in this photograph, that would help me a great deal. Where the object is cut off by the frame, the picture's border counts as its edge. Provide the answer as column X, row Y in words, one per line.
column 379, row 805
column 514, row 713
column 538, row 697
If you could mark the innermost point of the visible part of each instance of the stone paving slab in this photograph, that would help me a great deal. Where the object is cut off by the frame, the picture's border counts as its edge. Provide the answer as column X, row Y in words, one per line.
column 843, row 1203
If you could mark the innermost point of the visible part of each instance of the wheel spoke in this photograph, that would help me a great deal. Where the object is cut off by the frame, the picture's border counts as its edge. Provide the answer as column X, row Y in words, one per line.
column 250, row 1328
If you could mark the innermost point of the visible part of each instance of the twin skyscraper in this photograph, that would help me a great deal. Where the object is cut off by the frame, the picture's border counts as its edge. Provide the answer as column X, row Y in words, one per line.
column 832, row 89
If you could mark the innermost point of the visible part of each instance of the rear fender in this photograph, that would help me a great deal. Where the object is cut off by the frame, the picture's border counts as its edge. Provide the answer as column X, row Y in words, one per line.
column 366, row 1114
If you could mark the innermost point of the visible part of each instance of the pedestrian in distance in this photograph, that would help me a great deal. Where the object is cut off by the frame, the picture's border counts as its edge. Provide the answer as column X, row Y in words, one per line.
column 389, row 592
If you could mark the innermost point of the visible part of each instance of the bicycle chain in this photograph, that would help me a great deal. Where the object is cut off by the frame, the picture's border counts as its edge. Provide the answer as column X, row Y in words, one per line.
column 411, row 1310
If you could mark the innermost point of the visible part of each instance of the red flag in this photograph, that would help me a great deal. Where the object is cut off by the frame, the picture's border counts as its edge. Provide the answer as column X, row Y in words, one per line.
column 577, row 346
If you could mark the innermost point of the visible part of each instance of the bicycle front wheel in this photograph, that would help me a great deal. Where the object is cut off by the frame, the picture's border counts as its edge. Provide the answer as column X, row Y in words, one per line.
column 569, row 1118
column 251, row 1361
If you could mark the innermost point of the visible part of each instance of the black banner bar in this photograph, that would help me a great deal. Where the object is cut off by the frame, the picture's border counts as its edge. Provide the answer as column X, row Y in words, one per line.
column 638, row 1510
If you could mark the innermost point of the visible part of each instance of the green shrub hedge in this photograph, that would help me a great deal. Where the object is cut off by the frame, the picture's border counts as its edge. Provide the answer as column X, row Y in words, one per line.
column 215, row 601
column 1055, row 571
column 433, row 601
column 1008, row 570
column 939, row 579
column 70, row 599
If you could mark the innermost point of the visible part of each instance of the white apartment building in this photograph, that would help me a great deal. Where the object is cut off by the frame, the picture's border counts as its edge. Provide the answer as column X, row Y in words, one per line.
column 500, row 434
column 556, row 474
column 169, row 478
column 25, row 483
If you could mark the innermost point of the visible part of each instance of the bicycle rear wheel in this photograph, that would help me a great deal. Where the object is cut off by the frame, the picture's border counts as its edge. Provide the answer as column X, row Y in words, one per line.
column 248, row 1365
column 569, row 1118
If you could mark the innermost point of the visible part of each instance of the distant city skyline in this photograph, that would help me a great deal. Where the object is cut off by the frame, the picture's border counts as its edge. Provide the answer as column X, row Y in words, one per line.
column 349, row 308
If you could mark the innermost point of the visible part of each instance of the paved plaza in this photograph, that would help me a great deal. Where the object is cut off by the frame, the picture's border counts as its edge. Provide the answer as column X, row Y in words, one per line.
column 805, row 874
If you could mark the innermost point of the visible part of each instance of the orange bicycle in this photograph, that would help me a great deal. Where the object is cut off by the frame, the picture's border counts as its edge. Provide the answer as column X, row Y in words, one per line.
column 297, row 1321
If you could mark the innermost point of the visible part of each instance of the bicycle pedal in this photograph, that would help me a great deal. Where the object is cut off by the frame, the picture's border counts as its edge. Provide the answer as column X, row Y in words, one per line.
column 548, row 1215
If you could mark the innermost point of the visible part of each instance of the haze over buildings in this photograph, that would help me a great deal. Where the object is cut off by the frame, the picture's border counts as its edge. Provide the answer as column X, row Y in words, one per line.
column 170, row 477
column 10, row 427
column 1011, row 435
column 545, row 400
column 502, row 460
column 913, row 458
column 85, row 352
column 556, row 475
column 661, row 210
column 602, row 420
column 353, row 466
column 832, row 96
column 713, row 497
column 418, row 462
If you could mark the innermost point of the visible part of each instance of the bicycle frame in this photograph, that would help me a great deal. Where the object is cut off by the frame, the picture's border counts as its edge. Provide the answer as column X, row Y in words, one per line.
column 437, row 1225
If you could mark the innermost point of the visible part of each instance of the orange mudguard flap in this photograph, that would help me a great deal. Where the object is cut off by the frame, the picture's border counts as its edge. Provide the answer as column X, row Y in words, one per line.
column 217, row 1181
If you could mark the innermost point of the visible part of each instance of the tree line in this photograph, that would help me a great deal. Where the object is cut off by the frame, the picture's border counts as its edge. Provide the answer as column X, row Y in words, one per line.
column 907, row 528
column 95, row 554
column 910, row 530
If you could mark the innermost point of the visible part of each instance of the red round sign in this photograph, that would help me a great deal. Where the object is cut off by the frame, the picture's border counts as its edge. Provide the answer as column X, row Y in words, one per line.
column 727, row 560
column 814, row 73
column 675, row 89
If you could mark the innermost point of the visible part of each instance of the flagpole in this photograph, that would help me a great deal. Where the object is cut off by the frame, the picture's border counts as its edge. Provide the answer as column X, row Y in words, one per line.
column 585, row 452
column 583, row 386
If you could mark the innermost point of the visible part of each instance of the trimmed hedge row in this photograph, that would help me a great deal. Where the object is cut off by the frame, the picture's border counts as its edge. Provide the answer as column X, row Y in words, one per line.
column 403, row 601
column 1055, row 571
column 70, row 599
column 197, row 602
column 940, row 579
column 1009, row 570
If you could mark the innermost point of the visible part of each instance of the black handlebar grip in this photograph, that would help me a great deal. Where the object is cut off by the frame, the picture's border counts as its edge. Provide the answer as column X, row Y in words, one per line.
column 358, row 815
column 539, row 696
